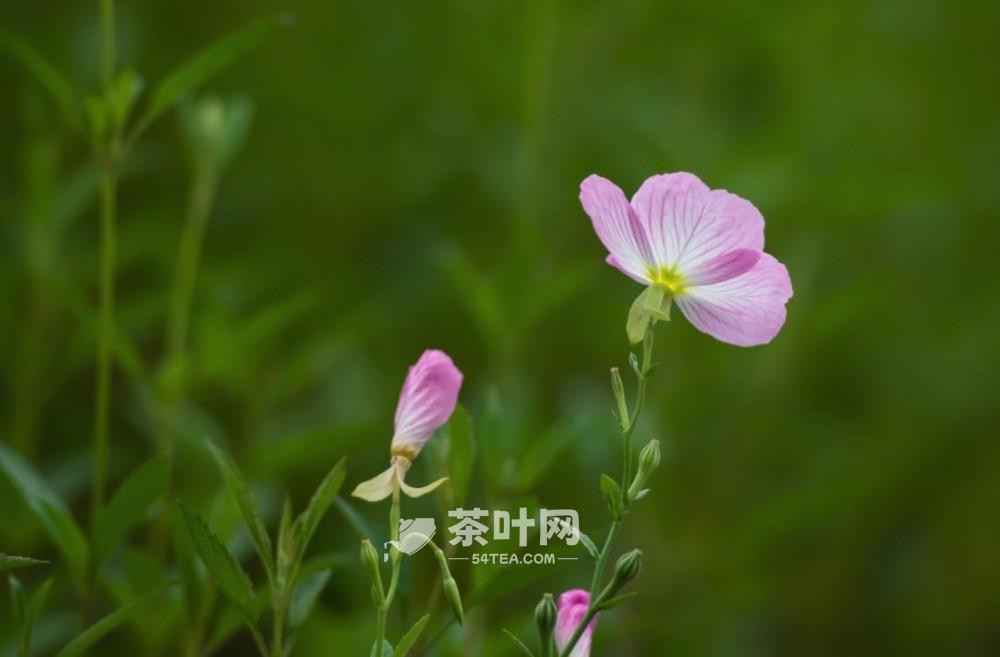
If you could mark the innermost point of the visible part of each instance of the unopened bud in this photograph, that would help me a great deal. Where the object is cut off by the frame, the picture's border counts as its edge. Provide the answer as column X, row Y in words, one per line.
column 649, row 460
column 626, row 569
column 369, row 559
column 619, row 389
column 448, row 585
column 545, row 617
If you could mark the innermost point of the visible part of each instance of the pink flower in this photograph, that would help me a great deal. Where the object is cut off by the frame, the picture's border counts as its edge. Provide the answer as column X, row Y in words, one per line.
column 572, row 610
column 427, row 400
column 703, row 247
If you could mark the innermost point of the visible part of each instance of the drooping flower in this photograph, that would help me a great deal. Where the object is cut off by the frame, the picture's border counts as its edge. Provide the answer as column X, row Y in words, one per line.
column 572, row 610
column 427, row 400
column 701, row 248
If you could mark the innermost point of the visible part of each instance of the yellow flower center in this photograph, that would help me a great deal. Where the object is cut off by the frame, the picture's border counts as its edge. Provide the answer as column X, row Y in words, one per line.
column 669, row 279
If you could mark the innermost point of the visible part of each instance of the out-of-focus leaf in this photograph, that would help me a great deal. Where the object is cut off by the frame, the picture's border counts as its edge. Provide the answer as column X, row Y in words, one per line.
column 207, row 63
column 309, row 520
column 354, row 519
column 50, row 79
column 285, row 557
column 228, row 574
column 386, row 649
column 33, row 611
column 50, row 510
column 460, row 453
column 129, row 504
column 10, row 562
column 18, row 602
column 248, row 508
column 406, row 643
column 520, row 644
column 102, row 627
column 192, row 577
column 543, row 453
column 307, row 591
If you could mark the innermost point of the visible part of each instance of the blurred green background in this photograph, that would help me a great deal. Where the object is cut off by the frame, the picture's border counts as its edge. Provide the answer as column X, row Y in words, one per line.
column 410, row 180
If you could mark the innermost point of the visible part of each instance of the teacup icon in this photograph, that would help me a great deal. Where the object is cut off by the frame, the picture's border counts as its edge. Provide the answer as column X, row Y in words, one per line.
column 414, row 533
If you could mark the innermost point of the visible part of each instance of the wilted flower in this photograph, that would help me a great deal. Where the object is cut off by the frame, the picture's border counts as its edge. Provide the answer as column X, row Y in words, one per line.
column 427, row 400
column 700, row 247
column 572, row 610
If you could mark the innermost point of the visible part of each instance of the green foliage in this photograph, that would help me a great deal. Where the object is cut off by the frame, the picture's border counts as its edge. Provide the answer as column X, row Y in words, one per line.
column 308, row 520
column 98, row 630
column 525, row 650
column 232, row 580
column 406, row 642
column 44, row 73
column 10, row 562
column 50, row 511
column 129, row 505
column 461, row 450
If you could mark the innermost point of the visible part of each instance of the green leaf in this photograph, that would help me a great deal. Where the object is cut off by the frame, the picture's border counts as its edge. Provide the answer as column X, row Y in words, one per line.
column 10, row 562
column 205, row 64
column 590, row 545
column 612, row 494
column 129, row 505
column 50, row 79
column 386, row 649
column 309, row 520
column 285, row 557
column 354, row 518
column 50, row 510
column 33, row 612
column 228, row 574
column 406, row 643
column 638, row 318
column 18, row 602
column 520, row 644
column 460, row 453
column 248, row 508
column 614, row 602
column 98, row 630
column 307, row 591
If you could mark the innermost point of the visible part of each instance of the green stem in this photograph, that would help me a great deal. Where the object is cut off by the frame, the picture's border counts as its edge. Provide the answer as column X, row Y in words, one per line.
column 596, row 597
column 395, row 556
column 106, row 312
column 277, row 640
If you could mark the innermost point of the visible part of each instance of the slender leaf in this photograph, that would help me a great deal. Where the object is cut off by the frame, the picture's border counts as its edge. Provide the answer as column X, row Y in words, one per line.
column 518, row 643
column 386, row 649
column 309, row 520
column 460, row 453
column 248, row 508
column 130, row 504
column 307, row 591
column 207, row 63
column 34, row 610
column 10, row 562
column 406, row 643
column 50, row 79
column 228, row 574
column 18, row 601
column 621, row 599
column 98, row 630
column 50, row 510
column 354, row 519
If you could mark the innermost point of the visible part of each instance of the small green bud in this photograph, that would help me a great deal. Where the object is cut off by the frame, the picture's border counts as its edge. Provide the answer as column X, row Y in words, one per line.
column 619, row 389
column 649, row 460
column 448, row 585
column 625, row 570
column 545, row 617
column 454, row 598
column 369, row 559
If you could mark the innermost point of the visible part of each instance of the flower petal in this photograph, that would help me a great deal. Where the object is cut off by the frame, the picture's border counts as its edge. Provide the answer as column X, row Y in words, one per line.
column 617, row 227
column 723, row 267
column 420, row 491
column 747, row 310
column 689, row 224
column 377, row 488
column 572, row 610
column 427, row 400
